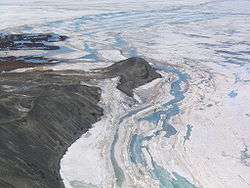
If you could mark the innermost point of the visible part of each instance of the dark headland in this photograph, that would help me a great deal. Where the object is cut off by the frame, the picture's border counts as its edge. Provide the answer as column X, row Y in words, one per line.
column 27, row 42
column 43, row 113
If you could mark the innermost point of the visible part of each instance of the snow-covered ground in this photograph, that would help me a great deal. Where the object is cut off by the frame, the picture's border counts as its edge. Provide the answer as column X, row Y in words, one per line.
column 187, row 129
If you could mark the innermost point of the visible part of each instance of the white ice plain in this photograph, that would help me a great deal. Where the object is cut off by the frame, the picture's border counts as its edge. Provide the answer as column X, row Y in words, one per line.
column 188, row 129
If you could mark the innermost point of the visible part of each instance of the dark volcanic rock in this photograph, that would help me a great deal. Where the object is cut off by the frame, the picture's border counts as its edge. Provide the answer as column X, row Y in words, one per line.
column 12, row 65
column 133, row 72
column 29, row 41
column 11, row 62
column 34, row 41
column 41, row 115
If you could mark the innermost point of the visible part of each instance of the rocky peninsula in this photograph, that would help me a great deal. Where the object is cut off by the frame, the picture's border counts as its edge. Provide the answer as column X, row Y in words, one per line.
column 43, row 112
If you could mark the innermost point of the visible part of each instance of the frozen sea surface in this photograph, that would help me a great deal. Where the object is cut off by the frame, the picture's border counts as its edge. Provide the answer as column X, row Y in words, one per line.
column 192, row 129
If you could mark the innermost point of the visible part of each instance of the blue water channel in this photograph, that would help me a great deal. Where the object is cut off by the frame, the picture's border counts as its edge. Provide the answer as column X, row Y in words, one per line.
column 92, row 55
column 169, row 110
column 121, row 44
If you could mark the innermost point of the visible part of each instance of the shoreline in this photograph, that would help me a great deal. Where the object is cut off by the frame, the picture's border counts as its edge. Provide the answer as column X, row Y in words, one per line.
column 54, row 111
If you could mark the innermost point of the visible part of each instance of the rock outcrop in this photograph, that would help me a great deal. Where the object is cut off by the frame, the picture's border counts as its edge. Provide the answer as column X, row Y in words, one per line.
column 133, row 72
column 34, row 41
column 43, row 112
column 11, row 62
column 41, row 115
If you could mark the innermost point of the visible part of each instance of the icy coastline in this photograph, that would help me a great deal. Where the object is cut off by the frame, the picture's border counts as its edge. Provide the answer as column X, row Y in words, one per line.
column 189, row 128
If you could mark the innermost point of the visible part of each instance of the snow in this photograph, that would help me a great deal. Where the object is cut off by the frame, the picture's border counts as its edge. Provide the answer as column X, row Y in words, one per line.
column 208, row 40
